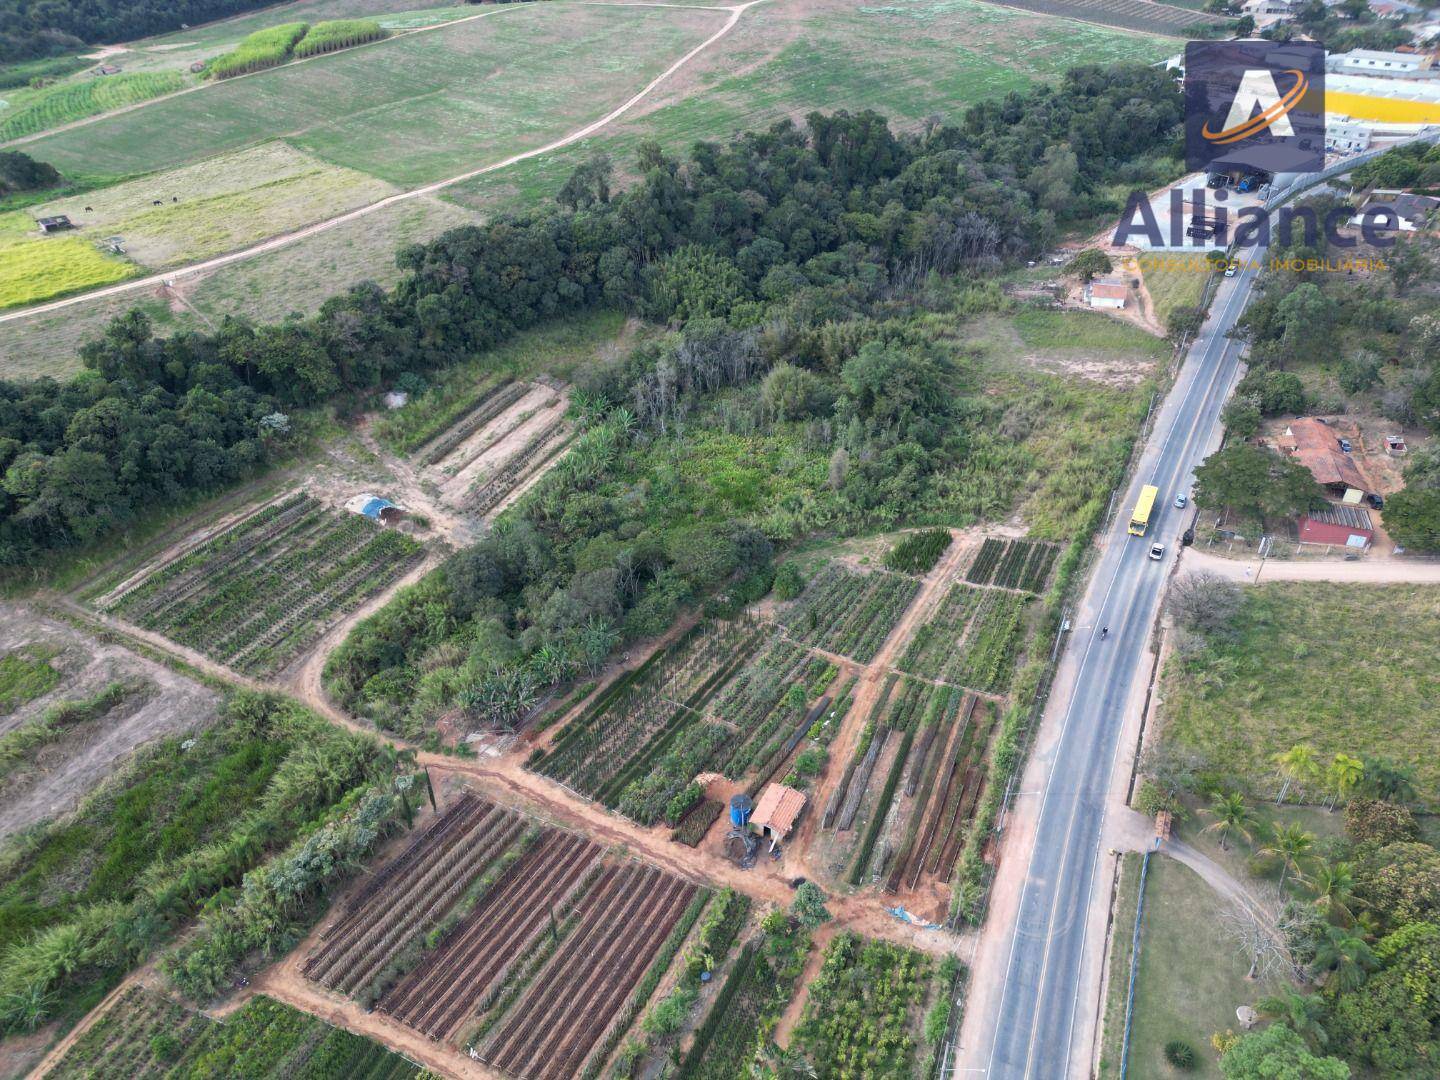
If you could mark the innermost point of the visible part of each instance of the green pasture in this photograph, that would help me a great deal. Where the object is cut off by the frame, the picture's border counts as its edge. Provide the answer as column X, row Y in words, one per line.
column 1345, row 668
column 411, row 109
column 909, row 61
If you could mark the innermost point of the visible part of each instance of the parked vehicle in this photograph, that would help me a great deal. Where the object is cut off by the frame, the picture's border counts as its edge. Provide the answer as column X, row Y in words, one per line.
column 1231, row 269
column 1345, row 445
column 1181, row 500
column 1376, row 500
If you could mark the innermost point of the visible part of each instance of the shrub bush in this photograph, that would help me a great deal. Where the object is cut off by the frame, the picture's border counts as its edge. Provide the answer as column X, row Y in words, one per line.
column 1180, row 1054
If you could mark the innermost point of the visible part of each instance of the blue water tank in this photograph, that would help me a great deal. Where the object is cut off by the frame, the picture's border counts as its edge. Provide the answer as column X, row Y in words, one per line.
column 740, row 807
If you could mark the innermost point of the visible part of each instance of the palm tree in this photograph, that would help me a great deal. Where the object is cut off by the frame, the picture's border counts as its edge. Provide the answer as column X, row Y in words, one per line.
column 1232, row 818
column 1342, row 777
column 1290, row 845
column 1299, row 1012
column 1334, row 887
column 1388, row 781
column 1345, row 956
column 1297, row 765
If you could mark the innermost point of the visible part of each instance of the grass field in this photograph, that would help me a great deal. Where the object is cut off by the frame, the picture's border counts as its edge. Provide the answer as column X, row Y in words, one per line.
column 415, row 108
column 1341, row 667
column 25, row 675
column 1189, row 980
column 267, row 288
column 28, row 111
column 223, row 203
column 1071, row 331
column 1172, row 286
column 35, row 267
column 1064, row 435
column 940, row 56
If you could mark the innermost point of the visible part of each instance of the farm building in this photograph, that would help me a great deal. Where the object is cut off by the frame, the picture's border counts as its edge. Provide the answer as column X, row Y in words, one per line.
column 777, row 812
column 1106, row 294
column 1346, row 526
column 375, row 508
column 1314, row 445
column 58, row 223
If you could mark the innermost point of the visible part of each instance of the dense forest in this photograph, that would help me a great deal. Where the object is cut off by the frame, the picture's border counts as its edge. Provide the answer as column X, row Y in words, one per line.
column 773, row 239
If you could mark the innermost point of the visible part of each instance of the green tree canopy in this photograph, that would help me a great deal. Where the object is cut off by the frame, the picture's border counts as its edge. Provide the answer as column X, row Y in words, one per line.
column 1412, row 518
column 1255, row 483
column 1277, row 1053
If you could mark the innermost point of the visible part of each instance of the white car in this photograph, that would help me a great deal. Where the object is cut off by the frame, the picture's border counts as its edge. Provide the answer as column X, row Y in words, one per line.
column 1181, row 500
column 1231, row 269
column 1157, row 551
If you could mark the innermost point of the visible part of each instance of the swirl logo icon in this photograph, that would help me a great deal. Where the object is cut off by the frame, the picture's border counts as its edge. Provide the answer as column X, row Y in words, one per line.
column 1254, row 108
column 1258, row 90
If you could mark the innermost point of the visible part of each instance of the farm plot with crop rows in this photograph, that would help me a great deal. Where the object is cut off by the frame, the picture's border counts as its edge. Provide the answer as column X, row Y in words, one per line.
column 513, row 431
column 412, row 894
column 1144, row 16
column 534, row 973
column 749, row 1004
column 947, row 782
column 972, row 639
column 1013, row 564
column 908, row 730
column 641, row 715
column 257, row 594
column 145, row 1035
column 619, row 926
column 849, row 613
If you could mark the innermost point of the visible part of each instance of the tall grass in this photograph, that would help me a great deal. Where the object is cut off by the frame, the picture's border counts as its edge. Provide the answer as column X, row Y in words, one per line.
column 260, row 50
column 339, row 34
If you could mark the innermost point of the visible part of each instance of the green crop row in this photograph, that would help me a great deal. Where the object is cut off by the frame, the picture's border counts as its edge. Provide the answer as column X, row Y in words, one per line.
column 65, row 103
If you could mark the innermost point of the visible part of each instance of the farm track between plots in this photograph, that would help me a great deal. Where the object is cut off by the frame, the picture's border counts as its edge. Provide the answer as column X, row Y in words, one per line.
column 532, row 912
column 151, row 281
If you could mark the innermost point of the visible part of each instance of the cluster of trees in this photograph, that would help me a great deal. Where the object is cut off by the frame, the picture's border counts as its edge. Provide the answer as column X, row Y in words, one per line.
column 20, row 172
column 1360, row 930
column 1411, row 165
column 35, row 28
column 791, row 228
column 1256, row 484
column 1412, row 516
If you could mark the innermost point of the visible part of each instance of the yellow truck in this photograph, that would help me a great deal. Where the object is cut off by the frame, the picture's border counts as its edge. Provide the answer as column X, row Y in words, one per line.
column 1140, row 519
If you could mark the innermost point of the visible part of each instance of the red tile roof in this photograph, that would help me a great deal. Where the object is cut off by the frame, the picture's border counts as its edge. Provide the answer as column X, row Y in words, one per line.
column 1315, row 446
column 779, row 808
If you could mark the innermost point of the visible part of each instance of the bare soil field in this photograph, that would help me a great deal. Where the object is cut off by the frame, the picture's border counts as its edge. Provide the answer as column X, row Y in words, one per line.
column 58, row 775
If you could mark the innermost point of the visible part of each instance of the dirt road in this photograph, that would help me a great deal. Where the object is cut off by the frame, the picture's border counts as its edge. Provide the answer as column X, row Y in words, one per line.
column 1372, row 570
column 151, row 281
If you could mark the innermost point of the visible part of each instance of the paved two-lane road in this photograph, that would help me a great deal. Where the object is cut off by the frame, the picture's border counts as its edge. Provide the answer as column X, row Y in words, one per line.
column 1033, row 1035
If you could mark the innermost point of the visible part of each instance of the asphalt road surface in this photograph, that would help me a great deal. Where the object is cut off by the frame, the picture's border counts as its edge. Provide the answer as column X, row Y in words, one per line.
column 1035, row 1025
